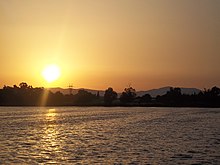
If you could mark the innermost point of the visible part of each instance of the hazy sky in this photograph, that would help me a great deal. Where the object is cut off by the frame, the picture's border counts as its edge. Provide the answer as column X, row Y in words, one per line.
column 102, row 43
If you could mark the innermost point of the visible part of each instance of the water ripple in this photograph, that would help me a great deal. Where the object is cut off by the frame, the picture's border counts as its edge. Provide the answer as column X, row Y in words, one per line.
column 118, row 135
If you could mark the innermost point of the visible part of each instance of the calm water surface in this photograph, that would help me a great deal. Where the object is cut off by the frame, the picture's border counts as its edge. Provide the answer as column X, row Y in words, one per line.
column 71, row 135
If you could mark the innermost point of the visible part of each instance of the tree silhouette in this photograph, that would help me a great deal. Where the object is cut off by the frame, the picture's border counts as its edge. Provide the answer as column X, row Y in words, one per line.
column 174, row 92
column 109, row 96
column 98, row 95
column 128, row 95
column 26, row 95
column 22, row 95
column 215, row 91
column 145, row 98
column 84, row 97
column 172, row 97
column 24, row 85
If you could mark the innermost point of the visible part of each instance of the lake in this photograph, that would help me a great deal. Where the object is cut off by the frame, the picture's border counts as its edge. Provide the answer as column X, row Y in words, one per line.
column 116, row 135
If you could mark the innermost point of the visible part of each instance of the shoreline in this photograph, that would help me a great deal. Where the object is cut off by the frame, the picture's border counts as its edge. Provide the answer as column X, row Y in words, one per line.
column 150, row 106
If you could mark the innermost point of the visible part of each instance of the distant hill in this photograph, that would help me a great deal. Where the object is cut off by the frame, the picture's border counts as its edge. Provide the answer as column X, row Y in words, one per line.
column 152, row 92
column 163, row 90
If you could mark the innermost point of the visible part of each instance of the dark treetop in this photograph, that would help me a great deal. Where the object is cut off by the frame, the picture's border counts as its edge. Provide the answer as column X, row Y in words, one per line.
column 26, row 95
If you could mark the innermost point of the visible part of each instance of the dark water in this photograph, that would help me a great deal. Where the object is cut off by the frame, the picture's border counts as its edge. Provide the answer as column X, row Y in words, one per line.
column 33, row 135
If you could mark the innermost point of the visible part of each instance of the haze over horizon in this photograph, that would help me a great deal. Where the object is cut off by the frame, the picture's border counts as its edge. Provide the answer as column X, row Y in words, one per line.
column 97, row 44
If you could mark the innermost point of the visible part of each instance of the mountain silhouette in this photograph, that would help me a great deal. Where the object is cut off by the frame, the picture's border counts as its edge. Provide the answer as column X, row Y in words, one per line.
column 163, row 91
column 152, row 92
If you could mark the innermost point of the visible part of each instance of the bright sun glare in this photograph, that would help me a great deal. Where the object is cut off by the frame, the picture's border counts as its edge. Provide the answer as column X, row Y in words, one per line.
column 51, row 73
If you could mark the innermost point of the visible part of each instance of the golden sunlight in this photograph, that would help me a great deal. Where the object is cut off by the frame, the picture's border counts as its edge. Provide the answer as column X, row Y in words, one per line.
column 51, row 73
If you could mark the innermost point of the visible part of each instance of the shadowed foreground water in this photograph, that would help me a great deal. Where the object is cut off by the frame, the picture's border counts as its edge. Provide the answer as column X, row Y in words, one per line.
column 117, row 135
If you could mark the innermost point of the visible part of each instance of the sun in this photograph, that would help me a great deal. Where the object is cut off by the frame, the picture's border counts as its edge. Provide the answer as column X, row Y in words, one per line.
column 51, row 73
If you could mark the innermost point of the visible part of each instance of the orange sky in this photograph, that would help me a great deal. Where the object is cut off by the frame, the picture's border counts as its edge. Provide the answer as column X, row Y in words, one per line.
column 97, row 44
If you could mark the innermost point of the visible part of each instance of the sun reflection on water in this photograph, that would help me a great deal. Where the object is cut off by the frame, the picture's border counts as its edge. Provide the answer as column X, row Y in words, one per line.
column 51, row 142
column 51, row 114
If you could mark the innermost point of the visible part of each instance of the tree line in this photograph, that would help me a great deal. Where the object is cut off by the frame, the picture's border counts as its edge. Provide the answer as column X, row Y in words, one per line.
column 26, row 95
